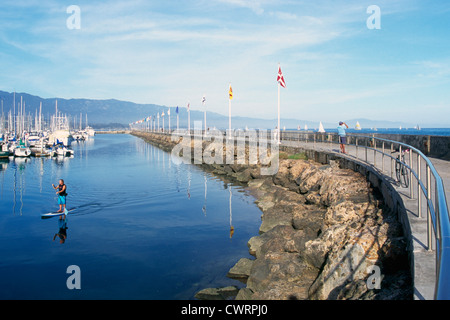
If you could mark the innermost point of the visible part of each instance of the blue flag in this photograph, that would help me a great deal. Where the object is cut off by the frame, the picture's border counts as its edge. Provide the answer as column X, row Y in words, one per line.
column 177, row 110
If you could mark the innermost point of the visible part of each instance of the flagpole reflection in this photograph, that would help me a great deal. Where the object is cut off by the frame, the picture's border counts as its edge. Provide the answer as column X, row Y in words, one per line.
column 231, row 215
column 189, row 183
column 206, row 191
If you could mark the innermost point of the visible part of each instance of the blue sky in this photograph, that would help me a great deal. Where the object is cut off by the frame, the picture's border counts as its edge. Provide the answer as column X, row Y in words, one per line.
column 172, row 52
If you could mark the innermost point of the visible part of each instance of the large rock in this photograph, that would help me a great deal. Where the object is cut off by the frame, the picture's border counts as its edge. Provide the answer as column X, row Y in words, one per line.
column 280, row 275
column 241, row 270
column 223, row 293
column 273, row 217
column 340, row 184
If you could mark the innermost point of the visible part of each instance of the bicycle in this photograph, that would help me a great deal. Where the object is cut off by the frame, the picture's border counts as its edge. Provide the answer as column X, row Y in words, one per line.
column 401, row 171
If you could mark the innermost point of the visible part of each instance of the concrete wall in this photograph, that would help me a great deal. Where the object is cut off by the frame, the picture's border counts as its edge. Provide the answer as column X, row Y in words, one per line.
column 432, row 146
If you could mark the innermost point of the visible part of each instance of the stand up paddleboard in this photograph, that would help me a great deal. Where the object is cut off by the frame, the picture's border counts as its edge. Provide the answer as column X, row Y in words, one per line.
column 55, row 214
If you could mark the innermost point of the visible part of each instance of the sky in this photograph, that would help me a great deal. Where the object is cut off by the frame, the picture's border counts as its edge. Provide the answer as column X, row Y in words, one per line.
column 174, row 52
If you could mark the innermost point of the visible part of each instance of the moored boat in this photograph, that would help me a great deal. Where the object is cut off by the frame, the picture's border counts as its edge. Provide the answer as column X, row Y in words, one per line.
column 61, row 151
column 4, row 152
column 22, row 151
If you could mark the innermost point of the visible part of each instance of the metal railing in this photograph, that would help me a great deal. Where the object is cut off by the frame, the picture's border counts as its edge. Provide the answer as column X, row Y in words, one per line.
column 427, row 181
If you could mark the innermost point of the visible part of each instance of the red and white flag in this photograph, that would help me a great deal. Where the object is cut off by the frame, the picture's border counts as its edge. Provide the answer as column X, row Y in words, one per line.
column 280, row 78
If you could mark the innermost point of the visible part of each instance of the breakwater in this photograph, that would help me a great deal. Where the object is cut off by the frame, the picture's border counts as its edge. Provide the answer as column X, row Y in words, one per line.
column 326, row 233
column 113, row 132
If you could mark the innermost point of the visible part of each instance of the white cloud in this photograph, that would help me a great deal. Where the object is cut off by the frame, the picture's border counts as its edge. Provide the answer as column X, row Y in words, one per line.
column 254, row 5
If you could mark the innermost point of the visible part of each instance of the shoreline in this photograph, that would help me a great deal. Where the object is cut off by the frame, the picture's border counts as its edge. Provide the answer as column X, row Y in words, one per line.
column 323, row 231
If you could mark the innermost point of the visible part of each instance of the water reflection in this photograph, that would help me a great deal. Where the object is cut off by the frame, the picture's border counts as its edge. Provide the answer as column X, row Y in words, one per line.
column 62, row 229
column 206, row 192
column 19, row 182
column 159, row 158
column 3, row 167
column 231, row 215
column 189, row 183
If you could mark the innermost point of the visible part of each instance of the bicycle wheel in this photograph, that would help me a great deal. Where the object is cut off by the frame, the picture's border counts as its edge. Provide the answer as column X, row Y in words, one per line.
column 398, row 174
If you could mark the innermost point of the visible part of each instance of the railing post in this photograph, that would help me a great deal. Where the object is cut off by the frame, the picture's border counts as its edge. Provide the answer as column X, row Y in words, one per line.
column 419, row 197
column 392, row 160
column 374, row 152
column 437, row 232
column 429, row 226
column 382, row 157
column 356, row 147
column 366, row 151
column 411, row 192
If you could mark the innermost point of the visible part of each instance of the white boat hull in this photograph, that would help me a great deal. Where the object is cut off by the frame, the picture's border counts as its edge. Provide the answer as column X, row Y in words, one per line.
column 62, row 152
column 22, row 152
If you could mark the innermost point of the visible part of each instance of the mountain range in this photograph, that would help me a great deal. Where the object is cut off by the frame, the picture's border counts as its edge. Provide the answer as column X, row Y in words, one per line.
column 111, row 113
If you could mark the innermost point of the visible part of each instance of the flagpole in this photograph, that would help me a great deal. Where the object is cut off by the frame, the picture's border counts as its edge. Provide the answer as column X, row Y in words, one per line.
column 229, row 113
column 204, row 104
column 189, row 118
column 168, row 113
column 278, row 128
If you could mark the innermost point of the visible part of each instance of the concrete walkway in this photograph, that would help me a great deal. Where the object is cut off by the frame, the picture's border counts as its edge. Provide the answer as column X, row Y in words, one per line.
column 424, row 258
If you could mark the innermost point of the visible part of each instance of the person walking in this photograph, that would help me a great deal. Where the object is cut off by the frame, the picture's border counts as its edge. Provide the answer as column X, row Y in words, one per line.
column 342, row 135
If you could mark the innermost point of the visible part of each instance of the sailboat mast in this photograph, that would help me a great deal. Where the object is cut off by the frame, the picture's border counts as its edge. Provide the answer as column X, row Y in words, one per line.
column 14, row 112
column 40, row 116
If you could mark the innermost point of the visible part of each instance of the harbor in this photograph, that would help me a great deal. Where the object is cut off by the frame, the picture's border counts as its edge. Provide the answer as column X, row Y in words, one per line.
column 144, row 227
column 22, row 135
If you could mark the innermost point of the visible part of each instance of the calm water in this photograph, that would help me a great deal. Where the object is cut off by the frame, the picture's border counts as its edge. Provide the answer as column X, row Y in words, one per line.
column 143, row 228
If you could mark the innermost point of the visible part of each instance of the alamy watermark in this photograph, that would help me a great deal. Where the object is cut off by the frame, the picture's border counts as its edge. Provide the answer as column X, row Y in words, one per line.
column 74, row 280
column 374, row 20
column 374, row 280
column 74, row 20
column 249, row 147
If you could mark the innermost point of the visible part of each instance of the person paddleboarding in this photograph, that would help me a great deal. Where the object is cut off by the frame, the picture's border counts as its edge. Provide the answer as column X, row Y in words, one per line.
column 62, row 194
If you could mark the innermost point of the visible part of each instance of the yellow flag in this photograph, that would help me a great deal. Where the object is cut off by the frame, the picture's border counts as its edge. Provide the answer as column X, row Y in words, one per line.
column 230, row 93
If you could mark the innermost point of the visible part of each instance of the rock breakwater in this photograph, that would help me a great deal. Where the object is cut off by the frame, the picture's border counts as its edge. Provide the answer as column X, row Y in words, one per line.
column 325, row 234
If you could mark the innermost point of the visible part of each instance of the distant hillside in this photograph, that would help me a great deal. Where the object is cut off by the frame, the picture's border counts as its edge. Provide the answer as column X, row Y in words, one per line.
column 111, row 113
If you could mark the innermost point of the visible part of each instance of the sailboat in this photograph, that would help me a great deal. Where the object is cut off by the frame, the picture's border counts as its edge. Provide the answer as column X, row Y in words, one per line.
column 321, row 129
column 358, row 126
column 89, row 130
column 21, row 150
column 306, row 127
column 4, row 151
